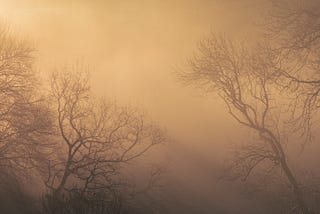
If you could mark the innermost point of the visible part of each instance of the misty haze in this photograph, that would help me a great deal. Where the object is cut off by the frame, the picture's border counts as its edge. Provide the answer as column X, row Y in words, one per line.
column 159, row 107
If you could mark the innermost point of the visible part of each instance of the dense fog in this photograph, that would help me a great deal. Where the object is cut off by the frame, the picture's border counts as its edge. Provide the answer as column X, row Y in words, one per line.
column 197, row 106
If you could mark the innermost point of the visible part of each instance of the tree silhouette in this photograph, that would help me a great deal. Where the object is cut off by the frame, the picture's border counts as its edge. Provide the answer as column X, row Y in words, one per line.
column 244, row 78
column 24, row 121
column 294, row 28
column 96, row 138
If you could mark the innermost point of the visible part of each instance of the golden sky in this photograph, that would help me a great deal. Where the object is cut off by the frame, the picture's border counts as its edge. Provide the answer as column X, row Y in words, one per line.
column 133, row 47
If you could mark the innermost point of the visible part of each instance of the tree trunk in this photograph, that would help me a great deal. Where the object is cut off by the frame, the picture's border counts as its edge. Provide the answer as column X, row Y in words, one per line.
column 295, row 187
column 63, row 181
column 278, row 150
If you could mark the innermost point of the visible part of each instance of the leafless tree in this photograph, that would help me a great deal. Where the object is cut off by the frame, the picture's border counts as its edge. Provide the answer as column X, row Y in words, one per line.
column 295, row 24
column 244, row 79
column 294, row 28
column 23, row 117
column 96, row 137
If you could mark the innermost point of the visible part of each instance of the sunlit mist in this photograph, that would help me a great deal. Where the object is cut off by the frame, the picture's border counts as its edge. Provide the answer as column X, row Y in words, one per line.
column 195, row 106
